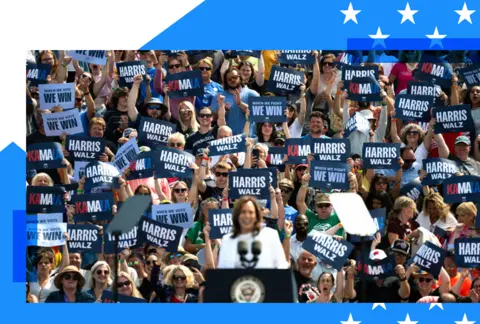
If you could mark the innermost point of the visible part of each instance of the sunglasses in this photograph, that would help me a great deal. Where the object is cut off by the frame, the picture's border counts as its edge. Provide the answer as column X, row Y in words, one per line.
column 176, row 255
column 182, row 278
column 233, row 78
column 205, row 115
column 180, row 190
column 409, row 160
column 151, row 262
column 78, row 99
column 133, row 263
column 69, row 276
column 174, row 66
column 204, row 68
column 286, row 190
column 427, row 280
column 328, row 63
column 301, row 169
column 323, row 205
column 86, row 76
column 124, row 284
column 175, row 144
column 221, row 174
column 412, row 133
column 154, row 107
column 381, row 183
column 105, row 272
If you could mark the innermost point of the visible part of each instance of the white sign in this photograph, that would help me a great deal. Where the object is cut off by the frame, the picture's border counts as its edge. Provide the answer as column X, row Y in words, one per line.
column 97, row 57
column 353, row 214
column 66, row 121
column 174, row 214
column 79, row 171
column 45, row 218
column 46, row 235
column 126, row 154
column 52, row 95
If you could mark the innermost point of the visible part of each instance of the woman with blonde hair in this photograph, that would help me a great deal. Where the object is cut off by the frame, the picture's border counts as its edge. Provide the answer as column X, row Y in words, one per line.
column 436, row 212
column 401, row 219
column 100, row 279
column 466, row 213
column 42, row 180
column 178, row 286
column 126, row 285
column 414, row 137
column 187, row 119
column 210, row 88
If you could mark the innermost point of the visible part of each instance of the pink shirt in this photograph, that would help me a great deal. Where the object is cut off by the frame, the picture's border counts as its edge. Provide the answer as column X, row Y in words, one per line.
column 150, row 183
column 107, row 87
column 403, row 74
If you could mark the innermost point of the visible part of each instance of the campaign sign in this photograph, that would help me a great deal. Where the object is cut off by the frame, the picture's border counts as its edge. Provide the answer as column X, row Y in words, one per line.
column 411, row 107
column 61, row 94
column 126, row 240
column 71, row 189
column 97, row 57
column 159, row 234
column 275, row 155
column 227, row 145
column 46, row 235
column 283, row 80
column 249, row 182
column 45, row 218
column 430, row 258
column 381, row 155
column 108, row 298
column 437, row 170
column 328, row 249
column 356, row 123
column 330, row 149
column 380, row 219
column 458, row 189
column 273, row 176
column 174, row 214
column 67, row 121
column 170, row 162
column 329, row 175
column 99, row 174
column 296, row 57
column 142, row 166
column 251, row 53
column 185, row 84
column 437, row 73
column 93, row 207
column 85, row 148
column 377, row 269
column 127, row 70
column 298, row 150
column 471, row 75
column 79, row 171
column 37, row 73
column 349, row 72
column 220, row 221
column 46, row 155
column 412, row 190
column 153, row 132
column 267, row 109
column 45, row 200
column 126, row 154
column 83, row 238
column 467, row 252
column 453, row 119
column 345, row 59
column 363, row 89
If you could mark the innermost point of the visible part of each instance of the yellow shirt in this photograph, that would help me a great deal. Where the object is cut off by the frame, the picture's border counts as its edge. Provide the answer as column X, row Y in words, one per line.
column 269, row 59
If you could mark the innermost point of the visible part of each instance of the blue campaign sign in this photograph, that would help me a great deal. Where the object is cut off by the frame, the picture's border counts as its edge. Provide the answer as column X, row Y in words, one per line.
column 381, row 155
column 275, row 155
column 142, row 167
column 430, row 258
column 159, row 234
column 249, row 182
column 457, row 189
column 101, row 175
column 331, row 149
column 437, row 170
column 328, row 249
column 363, row 89
column 412, row 107
column 356, row 123
column 412, row 190
column 71, row 189
column 127, row 70
column 220, row 221
column 471, row 75
column 37, row 73
column 273, row 176
column 377, row 269
column 467, row 252
column 185, row 84
column 84, row 238
column 170, row 162
column 85, row 148
column 426, row 89
column 329, row 175
column 292, row 57
column 453, row 119
column 227, row 145
column 46, row 155
column 108, row 298
column 349, row 72
column 298, row 150
column 267, row 109
column 284, row 81
column 129, row 239
column 251, row 53
column 154, row 132
column 93, row 207
column 45, row 200
column 346, row 58
column 434, row 72
column 98, row 57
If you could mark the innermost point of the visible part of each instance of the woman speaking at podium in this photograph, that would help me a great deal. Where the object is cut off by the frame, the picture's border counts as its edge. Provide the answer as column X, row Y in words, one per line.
column 249, row 245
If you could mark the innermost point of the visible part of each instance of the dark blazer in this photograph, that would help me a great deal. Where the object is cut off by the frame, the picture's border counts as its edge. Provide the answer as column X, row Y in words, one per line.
column 59, row 297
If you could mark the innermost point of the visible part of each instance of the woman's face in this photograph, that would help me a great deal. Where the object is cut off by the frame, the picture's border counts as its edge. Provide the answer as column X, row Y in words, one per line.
column 180, row 192
column 466, row 218
column 179, row 279
column 45, row 265
column 75, row 259
column 221, row 177
column 176, row 258
column 97, row 131
column 247, row 217
column 142, row 191
column 245, row 72
column 381, row 184
column 124, row 286
column 411, row 55
column 432, row 210
column 136, row 263
column 267, row 129
column 205, row 117
column 325, row 284
column 209, row 205
column 424, row 282
column 150, row 262
column 42, row 181
column 70, row 280
column 290, row 112
column 327, row 65
column 185, row 113
column 413, row 135
column 101, row 274
column 174, row 66
column 47, row 58
column 409, row 212
column 376, row 203
column 475, row 95
column 206, row 70
column 300, row 171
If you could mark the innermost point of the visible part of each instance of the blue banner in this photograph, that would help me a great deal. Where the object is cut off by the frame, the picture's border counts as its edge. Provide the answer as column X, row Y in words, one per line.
column 437, row 170
column 284, row 81
column 84, row 238
column 437, row 73
column 356, row 123
column 251, row 53
column 329, row 175
column 220, row 221
column 267, row 109
column 185, row 84
column 381, row 155
column 453, row 119
column 107, row 298
column 412, row 107
column 159, row 234
column 126, row 240
column 45, row 155
column 273, row 176
column 70, row 188
column 93, row 207
column 467, row 252
column 142, row 167
column 296, row 57
column 153, row 132
column 349, row 72
column 458, row 189
column 471, row 75
column 227, row 145
column 127, row 70
column 346, row 58
column 430, row 258
column 170, row 162
column 331, row 149
column 363, row 89
column 328, row 249
column 37, row 73
column 275, row 155
column 101, row 175
column 426, row 89
column 45, row 200
column 249, row 182
column 298, row 150
column 85, row 148
column 412, row 190
column 377, row 269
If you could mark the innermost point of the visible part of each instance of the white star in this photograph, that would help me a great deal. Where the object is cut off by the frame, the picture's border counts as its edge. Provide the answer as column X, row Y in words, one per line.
column 465, row 14
column 407, row 14
column 407, row 321
column 382, row 305
column 351, row 321
column 465, row 320
column 436, row 38
column 350, row 14
column 433, row 305
column 379, row 38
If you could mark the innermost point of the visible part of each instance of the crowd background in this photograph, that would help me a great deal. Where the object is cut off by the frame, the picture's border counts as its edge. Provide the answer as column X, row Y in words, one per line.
column 321, row 109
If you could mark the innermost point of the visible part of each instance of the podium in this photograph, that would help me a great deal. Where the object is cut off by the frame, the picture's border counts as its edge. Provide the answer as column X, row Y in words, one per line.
column 250, row 286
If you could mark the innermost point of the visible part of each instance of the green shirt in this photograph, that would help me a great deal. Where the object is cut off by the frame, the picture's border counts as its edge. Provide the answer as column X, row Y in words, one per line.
column 194, row 232
column 323, row 225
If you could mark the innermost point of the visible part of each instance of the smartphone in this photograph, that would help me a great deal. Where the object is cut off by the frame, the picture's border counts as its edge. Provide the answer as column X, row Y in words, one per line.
column 255, row 157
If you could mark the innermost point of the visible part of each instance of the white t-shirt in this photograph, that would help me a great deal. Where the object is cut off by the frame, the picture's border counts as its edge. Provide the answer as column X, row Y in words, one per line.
column 295, row 129
column 271, row 257
column 42, row 293
column 424, row 221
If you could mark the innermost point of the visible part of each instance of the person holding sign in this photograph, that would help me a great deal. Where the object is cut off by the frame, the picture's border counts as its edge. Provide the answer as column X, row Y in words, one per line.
column 248, row 234
column 194, row 238
column 177, row 287
column 414, row 137
column 466, row 213
column 422, row 283
column 210, row 88
column 69, row 283
column 466, row 164
column 116, row 119
column 59, row 66
column 402, row 72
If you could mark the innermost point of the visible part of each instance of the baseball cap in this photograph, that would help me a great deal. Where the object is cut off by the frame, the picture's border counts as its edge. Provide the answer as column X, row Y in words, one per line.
column 377, row 255
column 286, row 183
column 278, row 137
column 401, row 246
column 462, row 139
column 156, row 102
column 301, row 165
column 322, row 198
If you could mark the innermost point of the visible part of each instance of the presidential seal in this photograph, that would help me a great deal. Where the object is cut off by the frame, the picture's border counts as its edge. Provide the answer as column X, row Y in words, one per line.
column 247, row 289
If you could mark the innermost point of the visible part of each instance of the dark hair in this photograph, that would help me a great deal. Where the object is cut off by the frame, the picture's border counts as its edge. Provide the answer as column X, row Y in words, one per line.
column 119, row 92
column 467, row 100
column 252, row 76
column 403, row 58
column 136, row 255
column 405, row 148
column 383, row 196
column 317, row 114
column 328, row 274
column 237, row 208
column 202, row 205
column 140, row 187
column 225, row 81
column 324, row 57
column 377, row 177
column 261, row 139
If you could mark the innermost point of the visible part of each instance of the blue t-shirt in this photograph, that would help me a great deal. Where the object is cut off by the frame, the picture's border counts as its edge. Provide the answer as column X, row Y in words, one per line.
column 309, row 136
column 85, row 121
column 209, row 92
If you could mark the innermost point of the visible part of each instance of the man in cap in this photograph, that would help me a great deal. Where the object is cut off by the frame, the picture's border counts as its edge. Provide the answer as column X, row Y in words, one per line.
column 466, row 164
column 286, row 187
column 401, row 250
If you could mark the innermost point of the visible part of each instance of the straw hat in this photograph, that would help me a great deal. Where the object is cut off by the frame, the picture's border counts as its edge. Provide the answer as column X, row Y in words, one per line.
column 69, row 269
